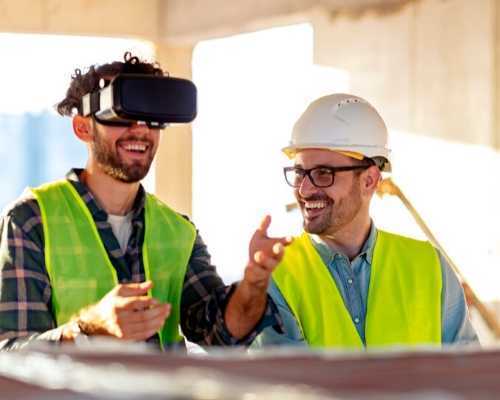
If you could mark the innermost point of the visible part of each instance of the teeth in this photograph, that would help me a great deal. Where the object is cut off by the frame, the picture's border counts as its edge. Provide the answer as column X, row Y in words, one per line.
column 315, row 204
column 135, row 147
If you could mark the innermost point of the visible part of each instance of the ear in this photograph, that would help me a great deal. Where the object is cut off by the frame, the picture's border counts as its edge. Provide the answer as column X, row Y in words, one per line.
column 370, row 179
column 82, row 126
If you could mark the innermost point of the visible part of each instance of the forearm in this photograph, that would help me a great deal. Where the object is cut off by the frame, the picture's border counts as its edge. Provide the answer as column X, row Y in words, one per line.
column 11, row 341
column 204, row 322
column 206, row 301
column 25, row 315
column 202, row 318
column 244, row 310
column 249, row 302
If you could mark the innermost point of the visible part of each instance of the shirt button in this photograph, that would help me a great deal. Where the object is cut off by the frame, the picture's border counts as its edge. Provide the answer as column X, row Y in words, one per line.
column 349, row 281
column 356, row 320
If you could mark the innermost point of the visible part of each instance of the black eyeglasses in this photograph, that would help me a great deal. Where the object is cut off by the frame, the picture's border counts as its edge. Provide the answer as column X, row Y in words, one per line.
column 320, row 177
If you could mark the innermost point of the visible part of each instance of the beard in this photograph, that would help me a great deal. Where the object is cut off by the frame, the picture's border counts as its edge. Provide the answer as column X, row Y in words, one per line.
column 337, row 214
column 112, row 163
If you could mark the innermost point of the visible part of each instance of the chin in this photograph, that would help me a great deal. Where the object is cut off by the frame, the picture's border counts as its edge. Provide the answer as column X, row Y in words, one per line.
column 314, row 229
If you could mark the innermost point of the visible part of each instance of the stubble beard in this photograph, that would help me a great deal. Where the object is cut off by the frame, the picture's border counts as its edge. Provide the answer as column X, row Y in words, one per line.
column 339, row 213
column 112, row 164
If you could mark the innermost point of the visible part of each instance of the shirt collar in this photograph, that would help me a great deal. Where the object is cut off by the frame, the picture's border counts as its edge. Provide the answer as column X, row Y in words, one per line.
column 95, row 208
column 327, row 253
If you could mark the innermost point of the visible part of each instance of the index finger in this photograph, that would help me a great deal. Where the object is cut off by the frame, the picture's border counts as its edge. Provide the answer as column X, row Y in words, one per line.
column 134, row 289
column 285, row 241
column 264, row 224
column 138, row 303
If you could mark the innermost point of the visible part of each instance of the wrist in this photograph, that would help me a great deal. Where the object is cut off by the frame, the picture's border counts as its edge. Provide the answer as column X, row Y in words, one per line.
column 249, row 298
column 251, row 289
column 71, row 331
column 244, row 310
column 88, row 322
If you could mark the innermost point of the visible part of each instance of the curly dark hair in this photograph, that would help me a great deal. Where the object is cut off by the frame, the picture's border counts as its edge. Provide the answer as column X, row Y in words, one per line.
column 81, row 84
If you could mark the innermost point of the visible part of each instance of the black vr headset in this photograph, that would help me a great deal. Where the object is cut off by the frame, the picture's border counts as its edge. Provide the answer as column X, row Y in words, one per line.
column 131, row 98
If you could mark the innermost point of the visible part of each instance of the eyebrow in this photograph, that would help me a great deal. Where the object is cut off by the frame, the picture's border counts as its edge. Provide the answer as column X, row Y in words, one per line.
column 316, row 166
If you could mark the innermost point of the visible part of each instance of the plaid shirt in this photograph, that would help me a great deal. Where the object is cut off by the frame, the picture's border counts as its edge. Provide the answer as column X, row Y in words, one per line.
column 25, row 291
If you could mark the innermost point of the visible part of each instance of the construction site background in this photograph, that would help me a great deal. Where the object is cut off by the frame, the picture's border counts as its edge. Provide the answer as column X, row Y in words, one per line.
column 431, row 66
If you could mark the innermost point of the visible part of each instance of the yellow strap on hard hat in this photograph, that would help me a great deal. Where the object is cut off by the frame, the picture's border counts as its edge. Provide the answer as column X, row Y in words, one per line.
column 352, row 154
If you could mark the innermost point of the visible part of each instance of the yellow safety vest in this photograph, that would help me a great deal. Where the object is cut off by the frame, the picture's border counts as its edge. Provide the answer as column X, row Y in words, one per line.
column 404, row 296
column 79, row 268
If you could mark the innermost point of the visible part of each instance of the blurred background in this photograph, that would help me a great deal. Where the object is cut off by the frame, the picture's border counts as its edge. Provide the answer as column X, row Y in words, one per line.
column 431, row 68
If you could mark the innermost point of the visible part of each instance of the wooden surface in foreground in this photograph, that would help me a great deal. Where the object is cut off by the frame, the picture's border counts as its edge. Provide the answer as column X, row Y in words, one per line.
column 92, row 375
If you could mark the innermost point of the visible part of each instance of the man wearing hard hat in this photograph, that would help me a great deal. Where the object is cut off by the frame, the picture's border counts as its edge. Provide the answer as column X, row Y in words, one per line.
column 343, row 283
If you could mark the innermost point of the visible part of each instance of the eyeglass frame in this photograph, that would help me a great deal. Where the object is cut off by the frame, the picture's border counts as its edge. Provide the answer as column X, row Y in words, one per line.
column 332, row 170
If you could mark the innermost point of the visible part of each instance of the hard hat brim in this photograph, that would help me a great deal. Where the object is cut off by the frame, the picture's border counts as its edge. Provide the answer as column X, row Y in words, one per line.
column 350, row 151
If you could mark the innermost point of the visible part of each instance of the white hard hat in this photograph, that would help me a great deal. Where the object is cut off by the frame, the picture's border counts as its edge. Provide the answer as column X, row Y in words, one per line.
column 344, row 123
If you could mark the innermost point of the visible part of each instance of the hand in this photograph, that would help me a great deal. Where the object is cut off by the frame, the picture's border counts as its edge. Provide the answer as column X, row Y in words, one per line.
column 248, row 302
column 265, row 254
column 126, row 312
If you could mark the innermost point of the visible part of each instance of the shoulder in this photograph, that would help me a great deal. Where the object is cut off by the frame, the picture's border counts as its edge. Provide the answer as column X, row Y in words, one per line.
column 396, row 241
column 391, row 236
column 420, row 258
column 159, row 202
column 21, row 226
column 188, row 220
column 23, row 211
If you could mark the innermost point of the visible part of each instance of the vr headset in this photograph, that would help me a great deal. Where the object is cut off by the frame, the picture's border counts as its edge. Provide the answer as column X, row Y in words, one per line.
column 131, row 98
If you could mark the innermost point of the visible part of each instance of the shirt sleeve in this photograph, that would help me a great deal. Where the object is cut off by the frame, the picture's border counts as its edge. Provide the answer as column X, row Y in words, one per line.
column 455, row 324
column 204, row 300
column 25, row 295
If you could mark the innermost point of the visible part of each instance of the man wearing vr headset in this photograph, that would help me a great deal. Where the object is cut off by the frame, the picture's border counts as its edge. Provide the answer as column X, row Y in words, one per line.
column 94, row 254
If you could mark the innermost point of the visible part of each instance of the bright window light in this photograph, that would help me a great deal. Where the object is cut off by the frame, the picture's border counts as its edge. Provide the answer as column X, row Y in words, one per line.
column 451, row 186
column 252, row 87
column 35, row 72
column 36, row 69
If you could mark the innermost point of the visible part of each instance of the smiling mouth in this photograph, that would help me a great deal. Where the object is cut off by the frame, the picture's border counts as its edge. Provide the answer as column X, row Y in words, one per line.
column 315, row 205
column 135, row 147
column 314, row 208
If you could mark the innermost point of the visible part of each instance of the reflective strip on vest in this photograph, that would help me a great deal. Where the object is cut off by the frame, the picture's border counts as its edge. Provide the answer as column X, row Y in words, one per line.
column 79, row 268
column 404, row 296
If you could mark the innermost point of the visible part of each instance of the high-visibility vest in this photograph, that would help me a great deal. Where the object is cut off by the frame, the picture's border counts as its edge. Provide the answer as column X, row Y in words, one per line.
column 79, row 268
column 404, row 296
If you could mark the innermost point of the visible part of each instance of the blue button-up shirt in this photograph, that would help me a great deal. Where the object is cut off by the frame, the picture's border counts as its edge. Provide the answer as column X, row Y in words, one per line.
column 353, row 279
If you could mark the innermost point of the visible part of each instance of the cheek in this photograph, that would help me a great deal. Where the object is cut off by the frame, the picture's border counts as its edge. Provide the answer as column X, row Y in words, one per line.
column 333, row 195
column 109, row 138
column 113, row 132
column 156, row 144
column 155, row 139
column 348, row 184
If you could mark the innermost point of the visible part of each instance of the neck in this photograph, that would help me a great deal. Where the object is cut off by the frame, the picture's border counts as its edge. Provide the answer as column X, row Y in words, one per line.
column 349, row 239
column 114, row 196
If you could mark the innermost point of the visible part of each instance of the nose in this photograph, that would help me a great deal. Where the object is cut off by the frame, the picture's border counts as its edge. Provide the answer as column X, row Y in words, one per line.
column 139, row 127
column 306, row 187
